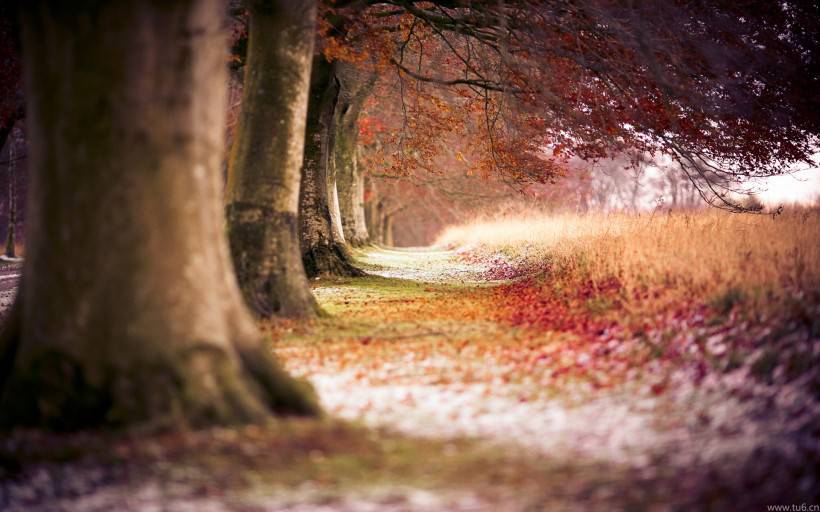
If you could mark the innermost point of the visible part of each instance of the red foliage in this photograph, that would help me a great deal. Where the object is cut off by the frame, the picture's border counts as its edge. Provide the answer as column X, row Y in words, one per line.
column 525, row 303
column 601, row 342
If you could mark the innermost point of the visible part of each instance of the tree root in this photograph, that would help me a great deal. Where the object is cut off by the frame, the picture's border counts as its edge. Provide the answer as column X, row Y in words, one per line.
column 201, row 386
column 283, row 394
column 330, row 260
column 358, row 241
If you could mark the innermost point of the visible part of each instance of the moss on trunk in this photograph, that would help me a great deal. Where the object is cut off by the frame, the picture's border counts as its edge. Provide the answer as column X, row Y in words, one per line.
column 330, row 260
column 265, row 249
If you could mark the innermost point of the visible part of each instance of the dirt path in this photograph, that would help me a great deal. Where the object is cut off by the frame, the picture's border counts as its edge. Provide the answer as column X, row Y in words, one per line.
column 415, row 393
column 414, row 350
column 435, row 405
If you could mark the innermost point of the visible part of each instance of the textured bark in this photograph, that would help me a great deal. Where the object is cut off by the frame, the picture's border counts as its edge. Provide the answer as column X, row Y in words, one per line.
column 354, row 88
column 12, row 202
column 6, row 131
column 129, row 310
column 323, row 245
column 266, row 160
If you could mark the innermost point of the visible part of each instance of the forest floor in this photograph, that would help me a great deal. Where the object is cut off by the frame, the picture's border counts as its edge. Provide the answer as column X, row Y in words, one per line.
column 467, row 380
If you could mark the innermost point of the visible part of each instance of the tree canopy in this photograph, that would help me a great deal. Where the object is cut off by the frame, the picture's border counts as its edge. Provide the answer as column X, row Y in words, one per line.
column 725, row 88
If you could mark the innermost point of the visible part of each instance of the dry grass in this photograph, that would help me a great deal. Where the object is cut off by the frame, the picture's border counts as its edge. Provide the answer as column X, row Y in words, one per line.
column 703, row 254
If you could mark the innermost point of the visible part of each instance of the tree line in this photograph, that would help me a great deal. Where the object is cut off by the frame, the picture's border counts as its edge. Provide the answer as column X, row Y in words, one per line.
column 142, row 280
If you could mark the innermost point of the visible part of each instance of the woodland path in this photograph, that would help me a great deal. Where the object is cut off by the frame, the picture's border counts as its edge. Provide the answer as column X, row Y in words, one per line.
column 414, row 348
column 438, row 377
column 434, row 405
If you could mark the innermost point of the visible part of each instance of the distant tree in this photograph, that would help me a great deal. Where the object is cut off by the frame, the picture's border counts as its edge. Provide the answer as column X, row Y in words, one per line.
column 355, row 85
column 324, row 249
column 129, row 310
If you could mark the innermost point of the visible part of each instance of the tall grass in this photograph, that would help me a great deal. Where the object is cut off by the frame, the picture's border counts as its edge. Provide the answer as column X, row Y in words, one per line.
column 699, row 254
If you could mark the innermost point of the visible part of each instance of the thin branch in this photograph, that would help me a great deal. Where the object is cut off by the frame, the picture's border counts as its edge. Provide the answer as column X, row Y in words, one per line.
column 483, row 84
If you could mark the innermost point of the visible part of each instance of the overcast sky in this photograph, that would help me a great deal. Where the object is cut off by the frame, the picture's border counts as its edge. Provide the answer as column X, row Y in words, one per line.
column 800, row 187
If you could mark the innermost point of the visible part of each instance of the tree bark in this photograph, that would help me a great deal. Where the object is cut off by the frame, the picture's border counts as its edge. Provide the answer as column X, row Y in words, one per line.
column 387, row 230
column 129, row 311
column 323, row 246
column 354, row 88
column 380, row 215
column 373, row 209
column 266, row 160
column 12, row 201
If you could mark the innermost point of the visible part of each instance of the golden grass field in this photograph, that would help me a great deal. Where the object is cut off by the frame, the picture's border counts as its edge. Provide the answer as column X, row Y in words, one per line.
column 700, row 255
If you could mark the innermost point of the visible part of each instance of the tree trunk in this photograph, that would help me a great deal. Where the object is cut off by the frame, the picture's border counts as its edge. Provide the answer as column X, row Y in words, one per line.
column 266, row 160
column 361, row 234
column 129, row 311
column 12, row 201
column 354, row 87
column 323, row 245
column 6, row 134
column 378, row 222
column 372, row 212
column 387, row 230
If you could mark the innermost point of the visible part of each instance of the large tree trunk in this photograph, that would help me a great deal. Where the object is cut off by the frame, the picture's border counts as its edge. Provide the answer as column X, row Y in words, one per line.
column 323, row 246
column 354, row 87
column 266, row 159
column 129, row 310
